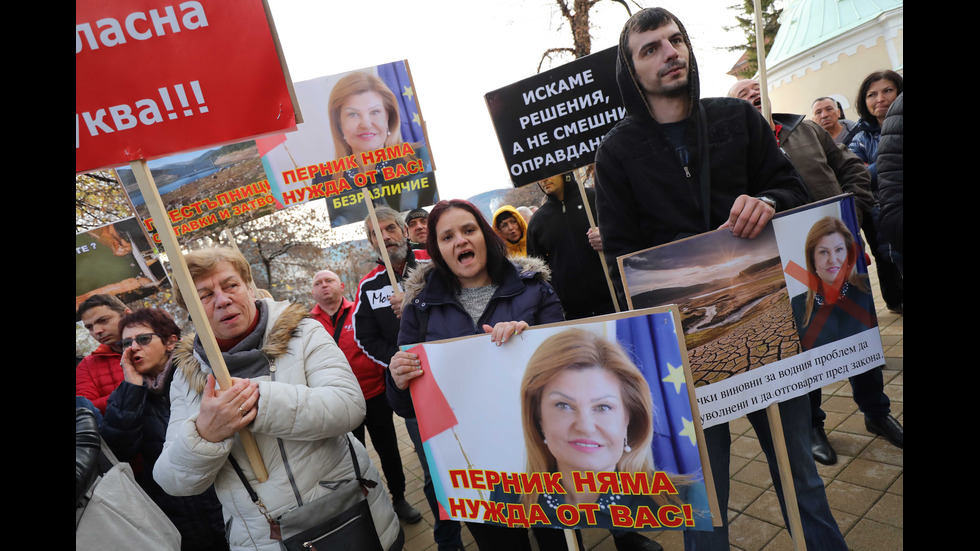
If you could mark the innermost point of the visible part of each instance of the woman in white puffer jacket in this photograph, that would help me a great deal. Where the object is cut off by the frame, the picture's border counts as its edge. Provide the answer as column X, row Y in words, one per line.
column 308, row 400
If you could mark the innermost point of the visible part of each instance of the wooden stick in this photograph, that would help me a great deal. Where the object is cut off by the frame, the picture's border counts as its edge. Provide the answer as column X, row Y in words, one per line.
column 786, row 476
column 760, row 54
column 182, row 277
column 772, row 412
column 602, row 256
column 571, row 542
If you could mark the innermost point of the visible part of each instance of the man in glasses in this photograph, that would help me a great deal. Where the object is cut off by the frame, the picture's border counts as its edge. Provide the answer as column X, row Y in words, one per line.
column 99, row 373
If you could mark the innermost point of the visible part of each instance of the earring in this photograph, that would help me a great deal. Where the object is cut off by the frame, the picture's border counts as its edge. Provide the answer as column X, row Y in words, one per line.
column 545, row 440
column 626, row 447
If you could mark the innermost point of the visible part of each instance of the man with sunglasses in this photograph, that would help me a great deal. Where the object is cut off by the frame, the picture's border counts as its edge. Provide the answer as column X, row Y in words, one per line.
column 99, row 373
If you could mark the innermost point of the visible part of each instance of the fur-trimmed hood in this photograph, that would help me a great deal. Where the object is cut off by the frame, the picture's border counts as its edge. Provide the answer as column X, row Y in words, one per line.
column 527, row 267
column 284, row 320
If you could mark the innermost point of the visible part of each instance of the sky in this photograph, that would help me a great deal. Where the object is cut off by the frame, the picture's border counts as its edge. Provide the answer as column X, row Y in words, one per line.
column 460, row 50
column 704, row 259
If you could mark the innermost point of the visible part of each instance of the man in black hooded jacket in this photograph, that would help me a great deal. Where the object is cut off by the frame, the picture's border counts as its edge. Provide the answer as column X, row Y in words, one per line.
column 559, row 233
column 679, row 165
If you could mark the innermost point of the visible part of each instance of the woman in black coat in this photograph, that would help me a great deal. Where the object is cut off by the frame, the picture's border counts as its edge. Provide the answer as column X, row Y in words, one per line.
column 136, row 419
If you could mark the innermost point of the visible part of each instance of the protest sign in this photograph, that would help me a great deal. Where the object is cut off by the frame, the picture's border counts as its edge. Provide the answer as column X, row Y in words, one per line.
column 205, row 191
column 362, row 128
column 202, row 73
column 154, row 79
column 117, row 259
column 742, row 329
column 552, row 122
column 593, row 424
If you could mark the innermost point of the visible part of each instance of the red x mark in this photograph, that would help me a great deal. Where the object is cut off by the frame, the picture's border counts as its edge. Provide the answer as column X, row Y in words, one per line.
column 832, row 297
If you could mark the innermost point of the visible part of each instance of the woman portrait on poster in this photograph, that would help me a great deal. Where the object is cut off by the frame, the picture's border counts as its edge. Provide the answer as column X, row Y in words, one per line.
column 831, row 260
column 586, row 407
column 364, row 117
column 830, row 250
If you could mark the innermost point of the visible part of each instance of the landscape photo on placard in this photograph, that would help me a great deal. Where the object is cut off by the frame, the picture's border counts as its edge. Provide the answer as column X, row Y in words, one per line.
column 206, row 191
column 731, row 293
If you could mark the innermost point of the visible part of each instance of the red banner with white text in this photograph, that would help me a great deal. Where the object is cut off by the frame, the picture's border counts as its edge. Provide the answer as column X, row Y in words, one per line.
column 158, row 77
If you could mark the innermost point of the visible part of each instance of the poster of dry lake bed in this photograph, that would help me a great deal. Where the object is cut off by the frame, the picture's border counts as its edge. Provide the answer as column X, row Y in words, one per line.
column 731, row 294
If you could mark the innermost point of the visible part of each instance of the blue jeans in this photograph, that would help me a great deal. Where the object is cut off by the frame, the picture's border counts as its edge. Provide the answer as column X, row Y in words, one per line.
column 819, row 527
column 446, row 533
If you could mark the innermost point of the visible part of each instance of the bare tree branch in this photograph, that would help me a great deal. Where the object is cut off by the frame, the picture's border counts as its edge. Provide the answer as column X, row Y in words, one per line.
column 547, row 54
column 577, row 16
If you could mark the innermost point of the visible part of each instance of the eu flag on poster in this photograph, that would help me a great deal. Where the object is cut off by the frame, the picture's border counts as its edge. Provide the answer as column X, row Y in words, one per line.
column 653, row 343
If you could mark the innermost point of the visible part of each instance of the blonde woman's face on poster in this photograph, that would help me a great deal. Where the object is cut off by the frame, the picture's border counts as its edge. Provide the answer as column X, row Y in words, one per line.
column 829, row 256
column 364, row 122
column 584, row 420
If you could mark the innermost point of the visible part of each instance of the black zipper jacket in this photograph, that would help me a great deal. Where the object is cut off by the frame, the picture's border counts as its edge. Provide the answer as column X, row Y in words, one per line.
column 646, row 197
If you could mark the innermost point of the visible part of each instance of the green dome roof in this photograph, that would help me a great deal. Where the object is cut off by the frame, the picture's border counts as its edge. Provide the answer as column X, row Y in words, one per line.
column 808, row 23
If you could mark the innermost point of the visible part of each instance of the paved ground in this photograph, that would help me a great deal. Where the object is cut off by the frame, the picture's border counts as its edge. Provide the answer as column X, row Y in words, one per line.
column 865, row 488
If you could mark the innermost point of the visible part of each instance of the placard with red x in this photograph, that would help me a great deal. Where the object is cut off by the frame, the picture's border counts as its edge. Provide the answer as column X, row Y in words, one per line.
column 832, row 297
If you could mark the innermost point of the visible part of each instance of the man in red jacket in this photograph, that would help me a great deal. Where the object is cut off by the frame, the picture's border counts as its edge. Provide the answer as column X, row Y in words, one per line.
column 99, row 373
column 336, row 313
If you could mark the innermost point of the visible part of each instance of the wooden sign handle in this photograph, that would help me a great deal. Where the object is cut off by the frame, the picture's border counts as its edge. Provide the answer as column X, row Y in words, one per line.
column 602, row 255
column 786, row 476
column 182, row 278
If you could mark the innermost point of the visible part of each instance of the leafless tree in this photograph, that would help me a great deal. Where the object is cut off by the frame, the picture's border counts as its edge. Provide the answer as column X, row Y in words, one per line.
column 576, row 14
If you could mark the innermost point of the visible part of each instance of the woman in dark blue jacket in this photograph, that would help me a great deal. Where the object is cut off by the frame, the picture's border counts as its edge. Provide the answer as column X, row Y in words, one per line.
column 470, row 288
column 136, row 419
column 876, row 94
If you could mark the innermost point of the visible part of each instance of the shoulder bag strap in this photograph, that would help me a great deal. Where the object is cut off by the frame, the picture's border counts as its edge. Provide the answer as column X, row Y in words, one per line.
column 339, row 326
column 365, row 483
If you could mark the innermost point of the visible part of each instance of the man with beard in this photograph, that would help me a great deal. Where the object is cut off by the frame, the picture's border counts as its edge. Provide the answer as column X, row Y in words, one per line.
column 826, row 169
column 677, row 166
column 376, row 324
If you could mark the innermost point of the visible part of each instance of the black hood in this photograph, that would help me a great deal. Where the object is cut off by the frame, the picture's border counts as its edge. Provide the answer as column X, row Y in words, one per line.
column 633, row 96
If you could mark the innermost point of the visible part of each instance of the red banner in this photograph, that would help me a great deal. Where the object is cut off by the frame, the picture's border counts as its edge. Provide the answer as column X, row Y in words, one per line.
column 154, row 78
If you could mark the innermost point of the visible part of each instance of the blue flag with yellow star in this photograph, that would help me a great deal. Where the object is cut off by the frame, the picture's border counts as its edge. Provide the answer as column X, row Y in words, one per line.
column 653, row 344
column 395, row 75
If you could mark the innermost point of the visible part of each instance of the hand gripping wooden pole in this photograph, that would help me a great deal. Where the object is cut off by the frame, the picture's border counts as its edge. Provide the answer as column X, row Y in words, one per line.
column 602, row 254
column 182, row 278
